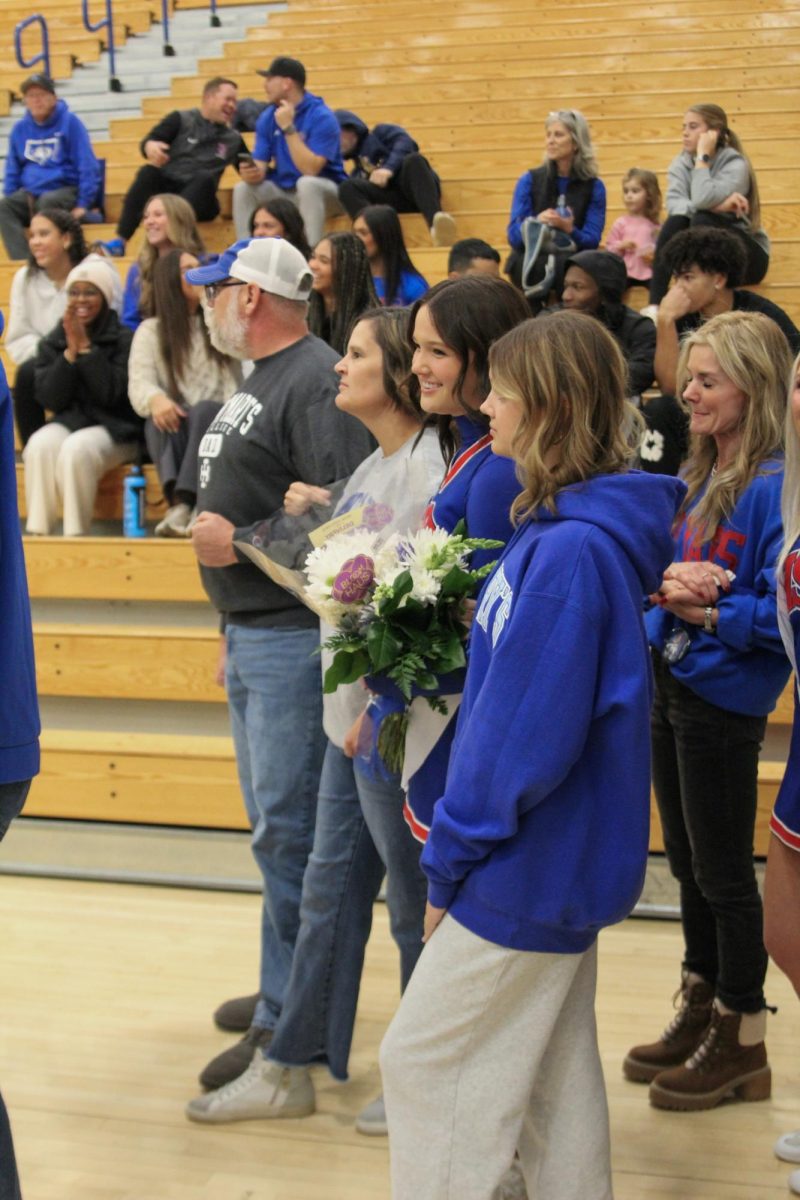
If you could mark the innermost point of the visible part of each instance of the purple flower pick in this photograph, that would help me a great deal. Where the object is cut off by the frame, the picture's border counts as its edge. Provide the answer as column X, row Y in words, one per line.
column 354, row 580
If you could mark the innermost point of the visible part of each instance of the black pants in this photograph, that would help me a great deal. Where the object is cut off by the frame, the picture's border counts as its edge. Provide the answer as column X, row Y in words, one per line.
column 665, row 442
column 175, row 454
column 27, row 410
column 705, row 776
column 415, row 188
column 757, row 257
column 201, row 193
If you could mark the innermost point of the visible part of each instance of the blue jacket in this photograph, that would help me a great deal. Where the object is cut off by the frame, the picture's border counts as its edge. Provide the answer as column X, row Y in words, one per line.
column 412, row 286
column 540, row 838
column 385, row 146
column 742, row 667
column 19, row 709
column 318, row 128
column 587, row 237
column 56, row 154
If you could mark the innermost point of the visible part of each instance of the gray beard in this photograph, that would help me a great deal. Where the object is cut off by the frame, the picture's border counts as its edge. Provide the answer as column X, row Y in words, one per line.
column 229, row 336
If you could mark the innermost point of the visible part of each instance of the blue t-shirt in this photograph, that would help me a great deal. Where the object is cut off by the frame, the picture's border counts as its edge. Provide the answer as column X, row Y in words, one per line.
column 318, row 128
column 412, row 286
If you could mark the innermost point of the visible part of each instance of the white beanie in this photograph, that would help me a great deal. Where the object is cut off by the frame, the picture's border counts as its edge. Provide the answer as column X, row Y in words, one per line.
column 102, row 274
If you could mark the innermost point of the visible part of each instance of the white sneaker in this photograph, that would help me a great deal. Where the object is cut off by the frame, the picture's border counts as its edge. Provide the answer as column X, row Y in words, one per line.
column 176, row 521
column 651, row 311
column 443, row 229
column 372, row 1120
column 265, row 1090
column 787, row 1147
column 794, row 1182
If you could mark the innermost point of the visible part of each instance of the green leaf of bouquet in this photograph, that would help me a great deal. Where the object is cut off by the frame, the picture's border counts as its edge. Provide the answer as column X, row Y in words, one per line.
column 383, row 646
column 450, row 656
column 402, row 585
column 457, row 582
column 460, row 529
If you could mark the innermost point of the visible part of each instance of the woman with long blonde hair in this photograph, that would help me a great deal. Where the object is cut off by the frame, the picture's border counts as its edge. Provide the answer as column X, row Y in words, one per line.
column 719, row 668
column 540, row 838
column 169, row 223
column 712, row 182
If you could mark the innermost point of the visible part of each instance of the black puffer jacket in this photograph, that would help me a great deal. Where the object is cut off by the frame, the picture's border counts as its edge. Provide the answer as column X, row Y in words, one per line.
column 636, row 334
column 94, row 389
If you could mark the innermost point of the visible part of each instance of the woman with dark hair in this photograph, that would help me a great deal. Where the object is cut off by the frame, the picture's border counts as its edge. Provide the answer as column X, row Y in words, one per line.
column 38, row 299
column 711, row 182
column 177, row 381
column 557, row 208
column 279, row 217
column 169, row 223
column 720, row 667
column 539, row 838
column 342, row 288
column 81, row 376
column 396, row 279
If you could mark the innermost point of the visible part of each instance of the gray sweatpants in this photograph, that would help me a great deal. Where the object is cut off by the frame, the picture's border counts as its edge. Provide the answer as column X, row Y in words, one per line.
column 494, row 1050
column 316, row 198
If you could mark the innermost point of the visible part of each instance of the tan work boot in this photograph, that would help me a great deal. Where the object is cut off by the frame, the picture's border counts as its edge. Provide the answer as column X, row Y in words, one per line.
column 728, row 1060
column 681, row 1037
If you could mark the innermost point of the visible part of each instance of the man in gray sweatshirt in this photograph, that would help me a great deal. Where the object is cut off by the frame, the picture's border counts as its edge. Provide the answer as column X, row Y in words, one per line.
column 282, row 426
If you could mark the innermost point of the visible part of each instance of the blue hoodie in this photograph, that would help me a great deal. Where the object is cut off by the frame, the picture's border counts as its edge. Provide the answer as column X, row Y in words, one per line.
column 319, row 130
column 19, row 710
column 385, row 146
column 742, row 667
column 540, row 838
column 55, row 154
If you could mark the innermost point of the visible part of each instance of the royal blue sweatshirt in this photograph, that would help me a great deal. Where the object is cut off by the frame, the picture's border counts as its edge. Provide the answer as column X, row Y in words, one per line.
column 53, row 155
column 587, row 237
column 19, row 710
column 540, row 839
column 318, row 128
column 785, row 819
column 741, row 667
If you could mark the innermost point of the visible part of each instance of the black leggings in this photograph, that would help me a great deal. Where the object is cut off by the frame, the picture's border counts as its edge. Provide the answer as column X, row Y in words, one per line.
column 757, row 257
column 200, row 192
column 415, row 188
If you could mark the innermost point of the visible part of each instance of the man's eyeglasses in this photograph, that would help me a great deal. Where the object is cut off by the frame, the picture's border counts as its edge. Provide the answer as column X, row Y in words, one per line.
column 212, row 290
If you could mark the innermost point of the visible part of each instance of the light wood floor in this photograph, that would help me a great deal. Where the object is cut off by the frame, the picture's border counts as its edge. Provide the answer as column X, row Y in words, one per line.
column 105, row 1000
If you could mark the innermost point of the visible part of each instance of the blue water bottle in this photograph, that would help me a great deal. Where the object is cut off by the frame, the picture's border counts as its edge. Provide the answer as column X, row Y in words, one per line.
column 133, row 503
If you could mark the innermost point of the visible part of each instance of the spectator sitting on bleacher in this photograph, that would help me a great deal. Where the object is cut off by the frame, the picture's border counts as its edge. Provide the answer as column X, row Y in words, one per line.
column 81, row 376
column 177, row 381
column 707, row 266
column 278, row 217
column 558, row 208
column 473, row 256
column 296, row 153
column 169, row 224
column 711, row 182
column 50, row 164
column 38, row 299
column 594, row 283
column 396, row 279
column 389, row 169
column 342, row 288
column 186, row 152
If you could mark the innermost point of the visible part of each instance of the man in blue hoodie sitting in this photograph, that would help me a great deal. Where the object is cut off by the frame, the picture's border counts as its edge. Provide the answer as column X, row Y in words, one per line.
column 50, row 163
column 390, row 170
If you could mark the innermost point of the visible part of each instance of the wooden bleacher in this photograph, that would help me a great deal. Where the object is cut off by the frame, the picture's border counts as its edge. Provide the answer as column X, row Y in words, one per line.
column 473, row 81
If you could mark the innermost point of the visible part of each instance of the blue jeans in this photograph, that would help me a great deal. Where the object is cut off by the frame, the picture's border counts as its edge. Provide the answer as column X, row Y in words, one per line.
column 12, row 798
column 274, row 686
column 360, row 833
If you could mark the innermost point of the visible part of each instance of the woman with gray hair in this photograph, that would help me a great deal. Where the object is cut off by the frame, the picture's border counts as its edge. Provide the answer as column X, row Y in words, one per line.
column 557, row 208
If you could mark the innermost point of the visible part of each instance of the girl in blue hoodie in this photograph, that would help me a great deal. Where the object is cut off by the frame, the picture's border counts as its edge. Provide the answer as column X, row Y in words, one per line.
column 540, row 838
column 720, row 667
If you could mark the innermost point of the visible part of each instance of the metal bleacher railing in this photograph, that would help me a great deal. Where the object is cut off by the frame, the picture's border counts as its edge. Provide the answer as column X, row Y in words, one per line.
column 107, row 23
column 44, row 54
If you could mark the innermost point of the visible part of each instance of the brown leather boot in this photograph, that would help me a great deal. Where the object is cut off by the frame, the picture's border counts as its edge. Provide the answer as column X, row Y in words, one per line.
column 719, row 1066
column 681, row 1037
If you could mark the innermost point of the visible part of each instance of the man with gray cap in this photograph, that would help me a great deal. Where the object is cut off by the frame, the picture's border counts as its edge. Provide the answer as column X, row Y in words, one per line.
column 282, row 426
column 297, row 152
column 50, row 164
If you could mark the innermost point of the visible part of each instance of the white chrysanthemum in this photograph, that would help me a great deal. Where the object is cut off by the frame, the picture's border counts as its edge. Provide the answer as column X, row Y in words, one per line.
column 432, row 550
column 426, row 586
column 324, row 563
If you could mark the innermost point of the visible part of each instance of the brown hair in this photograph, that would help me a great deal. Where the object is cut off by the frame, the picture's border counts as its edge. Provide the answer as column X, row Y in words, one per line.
column 716, row 118
column 652, row 191
column 175, row 321
column 568, row 374
column 183, row 234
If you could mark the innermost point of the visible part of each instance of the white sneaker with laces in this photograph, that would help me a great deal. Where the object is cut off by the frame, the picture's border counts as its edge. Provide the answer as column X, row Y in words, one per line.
column 443, row 229
column 265, row 1090
column 175, row 522
column 372, row 1119
column 787, row 1148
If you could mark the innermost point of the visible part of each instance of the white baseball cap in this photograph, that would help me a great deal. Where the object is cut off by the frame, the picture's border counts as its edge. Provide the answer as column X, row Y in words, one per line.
column 271, row 263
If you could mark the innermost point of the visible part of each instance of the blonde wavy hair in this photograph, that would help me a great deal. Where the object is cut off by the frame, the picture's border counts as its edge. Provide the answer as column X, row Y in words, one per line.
column 754, row 354
column 790, row 493
column 568, row 374
column 183, row 234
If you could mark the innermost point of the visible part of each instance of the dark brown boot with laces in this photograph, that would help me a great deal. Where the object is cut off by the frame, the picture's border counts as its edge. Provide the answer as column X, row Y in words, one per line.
column 681, row 1037
column 721, row 1065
